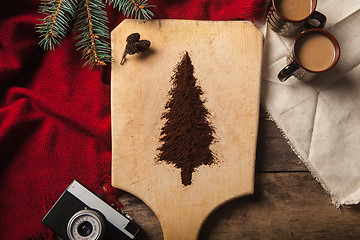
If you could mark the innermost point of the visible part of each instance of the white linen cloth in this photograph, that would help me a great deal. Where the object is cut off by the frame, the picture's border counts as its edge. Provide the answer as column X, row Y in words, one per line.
column 321, row 119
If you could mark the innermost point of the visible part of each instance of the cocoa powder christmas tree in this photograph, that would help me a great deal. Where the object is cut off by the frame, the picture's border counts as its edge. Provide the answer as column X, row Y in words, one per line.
column 187, row 133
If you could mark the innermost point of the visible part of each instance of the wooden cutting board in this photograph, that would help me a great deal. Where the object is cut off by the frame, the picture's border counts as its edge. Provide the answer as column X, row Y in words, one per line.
column 227, row 60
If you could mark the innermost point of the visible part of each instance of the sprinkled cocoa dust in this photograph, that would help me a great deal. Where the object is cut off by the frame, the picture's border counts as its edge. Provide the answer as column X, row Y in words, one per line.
column 187, row 133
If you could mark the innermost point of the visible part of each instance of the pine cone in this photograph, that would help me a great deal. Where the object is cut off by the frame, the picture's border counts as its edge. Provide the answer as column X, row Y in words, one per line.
column 142, row 45
column 134, row 45
column 131, row 48
column 134, row 37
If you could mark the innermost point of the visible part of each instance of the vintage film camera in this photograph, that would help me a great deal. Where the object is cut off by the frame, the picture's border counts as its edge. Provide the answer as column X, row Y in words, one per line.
column 80, row 215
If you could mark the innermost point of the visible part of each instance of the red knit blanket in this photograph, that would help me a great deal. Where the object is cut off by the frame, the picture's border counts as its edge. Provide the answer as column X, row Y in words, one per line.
column 55, row 114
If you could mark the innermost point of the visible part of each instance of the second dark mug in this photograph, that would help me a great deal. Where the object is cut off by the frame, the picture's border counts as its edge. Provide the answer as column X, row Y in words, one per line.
column 315, row 51
column 289, row 17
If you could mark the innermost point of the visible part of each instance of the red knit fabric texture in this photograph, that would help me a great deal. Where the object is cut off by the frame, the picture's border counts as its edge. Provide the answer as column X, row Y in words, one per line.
column 55, row 114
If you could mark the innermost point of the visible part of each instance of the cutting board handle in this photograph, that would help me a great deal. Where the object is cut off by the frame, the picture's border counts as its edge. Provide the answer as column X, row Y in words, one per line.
column 180, row 226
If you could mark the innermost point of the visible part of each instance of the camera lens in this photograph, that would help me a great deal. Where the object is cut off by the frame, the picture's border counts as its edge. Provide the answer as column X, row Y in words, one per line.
column 85, row 229
column 86, row 224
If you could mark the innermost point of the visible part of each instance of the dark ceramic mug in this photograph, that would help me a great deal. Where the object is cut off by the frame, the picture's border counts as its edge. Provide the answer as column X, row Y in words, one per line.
column 289, row 17
column 315, row 51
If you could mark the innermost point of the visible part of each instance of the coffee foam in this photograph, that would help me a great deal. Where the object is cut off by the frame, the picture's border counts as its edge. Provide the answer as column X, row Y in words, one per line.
column 294, row 9
column 315, row 52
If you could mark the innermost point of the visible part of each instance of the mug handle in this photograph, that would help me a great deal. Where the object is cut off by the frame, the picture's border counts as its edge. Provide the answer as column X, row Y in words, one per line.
column 287, row 71
column 319, row 17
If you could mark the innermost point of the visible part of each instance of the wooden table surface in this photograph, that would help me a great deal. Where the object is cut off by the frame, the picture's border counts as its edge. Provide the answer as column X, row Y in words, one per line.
column 288, row 202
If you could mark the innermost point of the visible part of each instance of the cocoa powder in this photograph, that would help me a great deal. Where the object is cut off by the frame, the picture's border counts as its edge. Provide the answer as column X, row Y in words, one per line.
column 187, row 133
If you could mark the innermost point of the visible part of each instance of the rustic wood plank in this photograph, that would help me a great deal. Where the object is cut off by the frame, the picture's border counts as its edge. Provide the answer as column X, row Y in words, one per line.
column 273, row 152
column 284, row 206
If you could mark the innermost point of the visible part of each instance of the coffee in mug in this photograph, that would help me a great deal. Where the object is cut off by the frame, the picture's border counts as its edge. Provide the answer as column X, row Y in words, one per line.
column 294, row 10
column 315, row 51
column 289, row 17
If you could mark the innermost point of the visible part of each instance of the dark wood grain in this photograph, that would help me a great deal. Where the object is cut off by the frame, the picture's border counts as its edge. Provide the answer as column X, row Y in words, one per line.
column 288, row 202
column 284, row 206
column 273, row 152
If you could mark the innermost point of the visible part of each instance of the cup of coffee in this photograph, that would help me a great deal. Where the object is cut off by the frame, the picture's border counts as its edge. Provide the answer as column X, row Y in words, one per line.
column 289, row 17
column 315, row 51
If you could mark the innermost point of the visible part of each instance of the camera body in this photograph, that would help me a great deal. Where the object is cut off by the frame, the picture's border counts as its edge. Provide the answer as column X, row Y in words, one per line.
column 81, row 215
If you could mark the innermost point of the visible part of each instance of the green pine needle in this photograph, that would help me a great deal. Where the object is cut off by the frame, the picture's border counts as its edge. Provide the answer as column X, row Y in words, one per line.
column 138, row 9
column 55, row 25
column 91, row 23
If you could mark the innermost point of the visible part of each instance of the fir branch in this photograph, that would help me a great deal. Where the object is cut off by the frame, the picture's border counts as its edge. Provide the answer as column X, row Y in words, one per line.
column 138, row 9
column 91, row 22
column 55, row 25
